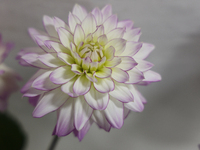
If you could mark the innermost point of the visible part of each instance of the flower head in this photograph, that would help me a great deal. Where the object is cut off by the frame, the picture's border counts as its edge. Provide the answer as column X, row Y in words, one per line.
column 8, row 78
column 88, row 70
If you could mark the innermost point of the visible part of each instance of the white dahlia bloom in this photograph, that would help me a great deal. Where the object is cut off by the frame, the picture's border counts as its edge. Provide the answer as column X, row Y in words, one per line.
column 88, row 70
column 8, row 78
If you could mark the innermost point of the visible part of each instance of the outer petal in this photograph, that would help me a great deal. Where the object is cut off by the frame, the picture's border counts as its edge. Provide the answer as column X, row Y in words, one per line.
column 79, row 11
column 135, row 76
column 50, row 102
column 65, row 122
column 143, row 65
column 81, row 85
column 116, row 33
column 149, row 77
column 49, row 26
column 82, row 112
column 62, row 75
column 97, row 100
column 73, row 20
column 119, row 75
column 137, row 105
column 89, row 24
column 128, row 24
column 131, row 48
column 110, row 23
column 58, row 23
column 114, row 113
column 106, row 12
column 127, row 63
column 104, row 85
column 144, row 51
column 43, row 82
column 98, row 15
column 65, row 37
column 122, row 93
column 133, row 35
column 99, row 118
column 58, row 47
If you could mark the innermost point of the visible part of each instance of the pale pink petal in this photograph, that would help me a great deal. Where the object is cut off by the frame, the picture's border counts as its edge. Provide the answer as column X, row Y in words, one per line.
column 127, row 63
column 144, row 52
column 99, row 118
column 110, row 23
column 82, row 112
column 122, row 93
column 135, row 76
column 96, row 100
column 43, row 82
column 62, row 75
column 114, row 113
column 51, row 101
column 65, row 121
column 119, row 75
column 81, row 85
column 131, row 48
column 106, row 12
column 98, row 15
column 104, row 85
column 79, row 11
column 49, row 26
column 143, row 65
column 128, row 24
column 132, row 35
column 149, row 77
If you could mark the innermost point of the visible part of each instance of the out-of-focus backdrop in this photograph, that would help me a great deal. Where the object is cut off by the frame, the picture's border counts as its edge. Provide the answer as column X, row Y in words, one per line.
column 171, row 119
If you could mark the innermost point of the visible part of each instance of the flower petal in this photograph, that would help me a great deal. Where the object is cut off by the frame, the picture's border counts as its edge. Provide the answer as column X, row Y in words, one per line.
column 135, row 76
column 73, row 20
column 119, row 45
column 65, row 121
column 149, row 77
column 51, row 101
column 99, row 118
column 143, row 65
column 89, row 24
column 49, row 26
column 66, row 58
column 104, row 85
column 106, row 12
column 43, row 82
column 62, row 75
column 82, row 112
column 79, row 35
column 79, row 11
column 116, row 33
column 110, row 23
column 132, row 35
column 122, row 93
column 131, row 48
column 102, row 40
column 51, row 60
column 81, row 85
column 128, row 24
column 127, row 63
column 58, row 47
column 96, row 100
column 60, row 23
column 98, row 33
column 103, row 72
column 98, row 15
column 76, row 69
column 68, row 87
column 65, row 37
column 144, row 52
column 119, row 75
column 109, row 53
column 114, row 113
column 114, row 62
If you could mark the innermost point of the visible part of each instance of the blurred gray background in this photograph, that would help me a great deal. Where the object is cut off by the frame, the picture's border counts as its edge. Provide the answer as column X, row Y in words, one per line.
column 171, row 119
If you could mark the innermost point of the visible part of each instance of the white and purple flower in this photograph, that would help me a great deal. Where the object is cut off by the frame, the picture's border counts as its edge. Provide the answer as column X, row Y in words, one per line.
column 8, row 78
column 88, row 70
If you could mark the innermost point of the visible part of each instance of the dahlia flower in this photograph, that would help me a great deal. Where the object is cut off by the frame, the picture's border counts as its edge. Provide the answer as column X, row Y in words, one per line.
column 88, row 70
column 8, row 78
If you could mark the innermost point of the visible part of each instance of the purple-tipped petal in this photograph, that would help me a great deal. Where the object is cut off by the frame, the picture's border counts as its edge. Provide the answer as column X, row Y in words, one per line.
column 128, row 24
column 89, row 24
column 49, row 26
column 96, row 100
column 81, row 85
column 65, row 122
column 98, row 15
column 122, row 93
column 82, row 112
column 133, row 35
column 115, row 113
column 68, row 87
column 65, row 37
column 79, row 11
column 131, row 48
column 116, row 33
column 34, row 100
column 110, row 23
column 51, row 101
column 143, row 65
column 69, row 60
column 135, row 76
column 106, row 12
column 149, row 77
column 58, row 23
column 104, row 85
column 73, row 20
column 119, row 75
column 144, row 52
column 127, row 63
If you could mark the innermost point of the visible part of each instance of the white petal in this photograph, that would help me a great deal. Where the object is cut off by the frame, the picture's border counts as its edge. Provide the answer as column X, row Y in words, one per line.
column 131, row 48
column 73, row 20
column 43, row 82
column 109, row 53
column 66, row 58
column 79, row 11
column 65, row 37
column 65, row 122
column 99, row 118
column 132, row 35
column 82, row 112
column 62, row 75
column 102, row 40
column 81, row 85
column 60, row 23
column 110, row 23
column 127, row 63
column 143, row 65
column 89, row 24
column 51, row 60
column 122, row 93
column 79, row 35
column 151, row 76
column 144, row 51
column 58, row 47
column 114, row 113
column 103, row 72
column 68, row 87
column 98, row 15
column 135, row 76
column 98, row 32
column 128, row 24
column 51, row 101
column 119, row 75
column 106, row 12
column 104, row 85
column 116, row 33
column 96, row 100
column 49, row 26
column 114, row 62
